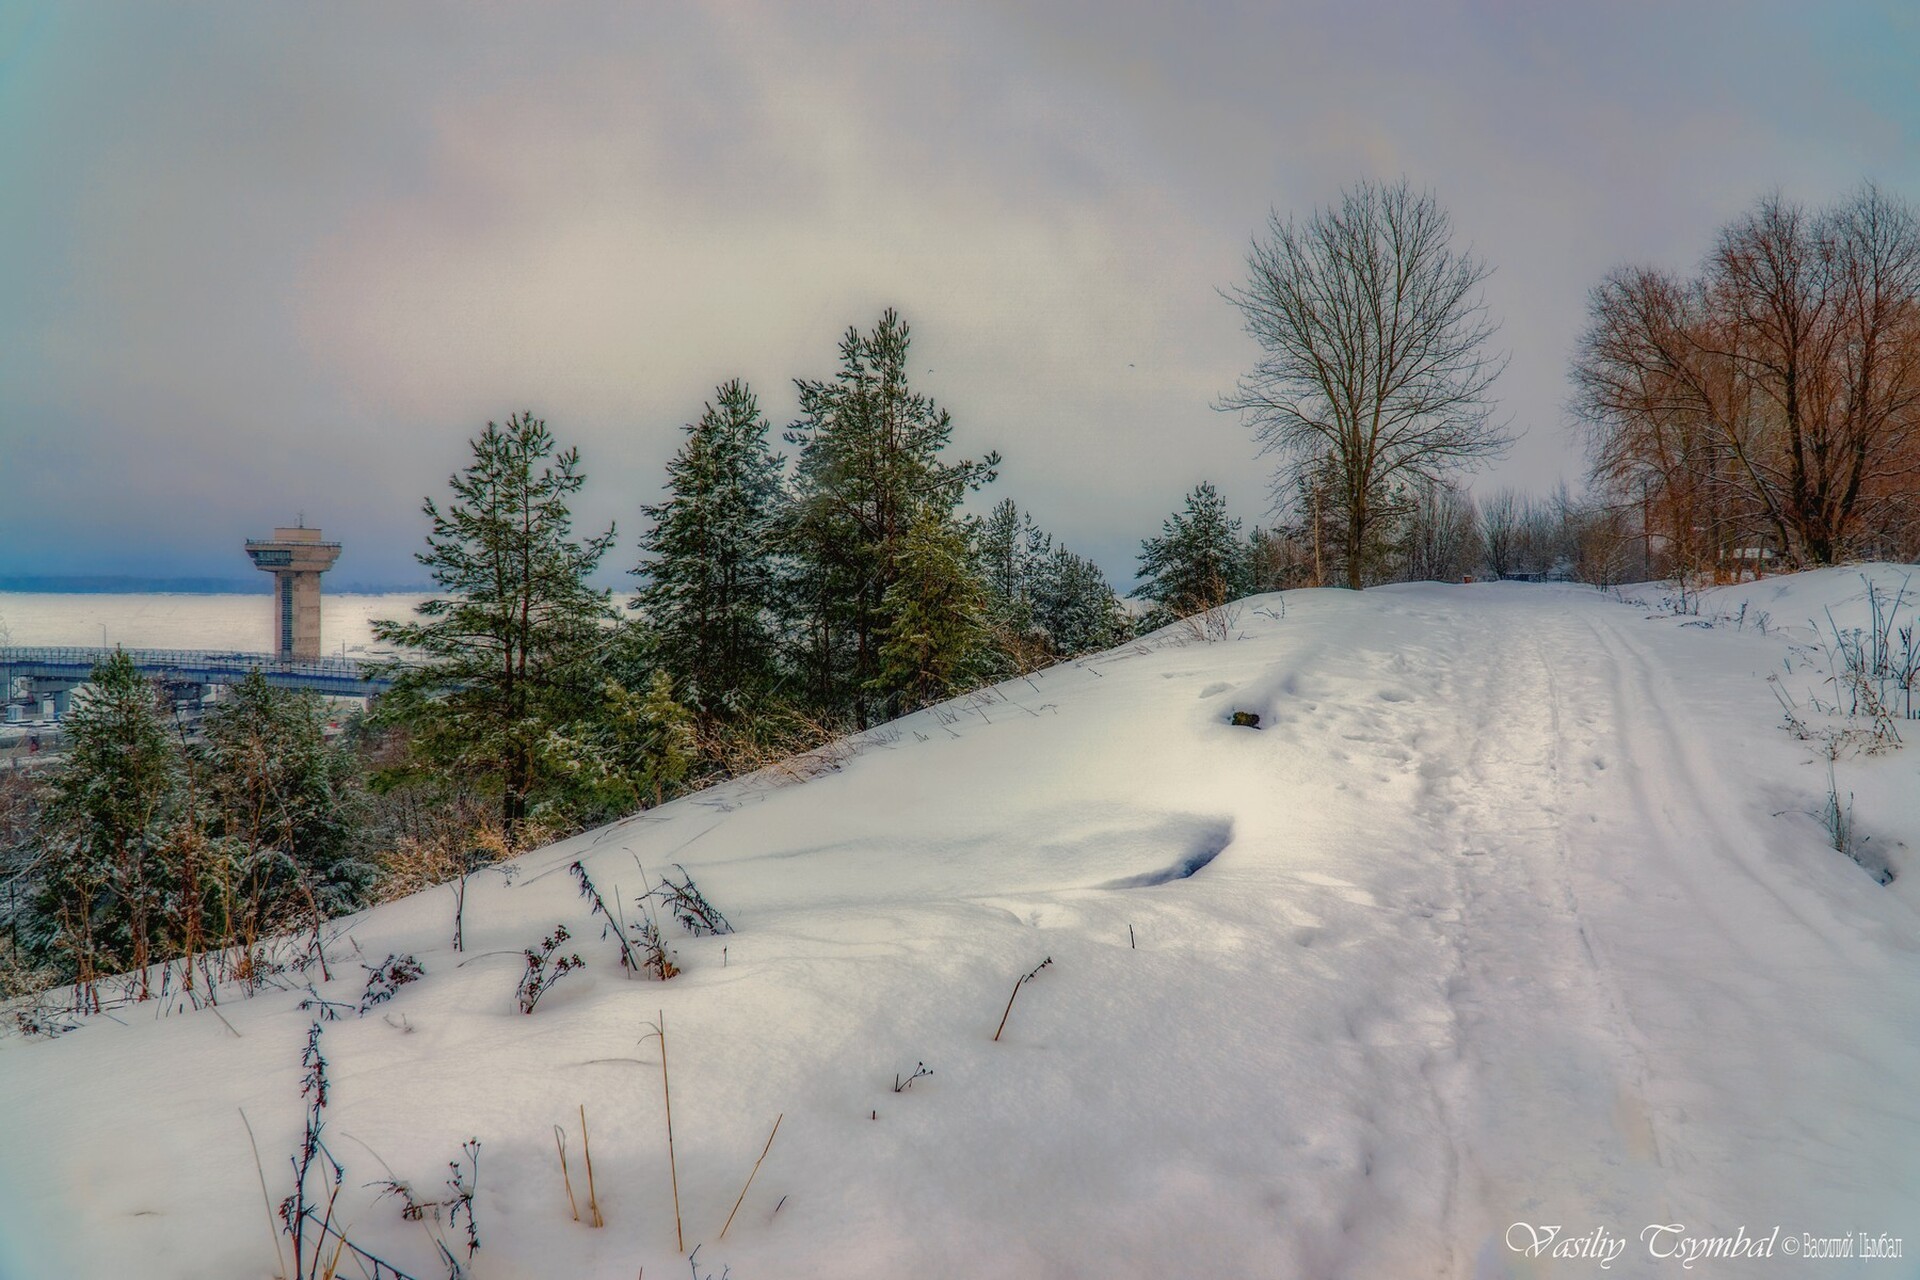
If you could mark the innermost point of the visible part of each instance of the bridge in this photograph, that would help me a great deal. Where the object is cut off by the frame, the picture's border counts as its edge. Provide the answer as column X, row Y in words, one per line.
column 56, row 672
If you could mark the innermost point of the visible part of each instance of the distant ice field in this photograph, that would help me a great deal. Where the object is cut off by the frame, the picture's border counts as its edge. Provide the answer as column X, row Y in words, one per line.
column 169, row 621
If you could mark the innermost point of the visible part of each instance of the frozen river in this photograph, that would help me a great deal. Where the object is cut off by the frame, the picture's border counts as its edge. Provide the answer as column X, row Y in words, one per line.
column 168, row 621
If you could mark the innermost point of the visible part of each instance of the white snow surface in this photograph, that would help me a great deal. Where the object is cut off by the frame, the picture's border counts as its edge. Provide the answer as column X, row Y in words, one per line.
column 1515, row 909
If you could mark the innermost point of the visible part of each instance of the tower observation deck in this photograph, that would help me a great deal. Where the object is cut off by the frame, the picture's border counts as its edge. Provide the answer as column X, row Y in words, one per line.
column 296, row 558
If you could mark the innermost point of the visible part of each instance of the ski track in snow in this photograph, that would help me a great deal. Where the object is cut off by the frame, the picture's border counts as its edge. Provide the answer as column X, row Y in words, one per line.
column 1497, row 918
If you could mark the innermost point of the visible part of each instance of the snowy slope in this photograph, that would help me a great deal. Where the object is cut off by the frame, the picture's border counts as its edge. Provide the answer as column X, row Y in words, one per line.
column 1515, row 909
column 1805, row 603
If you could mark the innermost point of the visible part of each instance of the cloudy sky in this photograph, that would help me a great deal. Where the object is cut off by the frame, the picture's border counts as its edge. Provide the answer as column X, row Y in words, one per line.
column 259, row 259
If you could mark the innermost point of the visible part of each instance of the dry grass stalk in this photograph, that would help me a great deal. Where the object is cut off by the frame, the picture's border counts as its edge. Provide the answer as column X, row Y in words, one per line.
column 1024, row 980
column 756, row 1170
column 586, row 1148
column 265, row 1199
column 560, row 1145
column 673, row 1171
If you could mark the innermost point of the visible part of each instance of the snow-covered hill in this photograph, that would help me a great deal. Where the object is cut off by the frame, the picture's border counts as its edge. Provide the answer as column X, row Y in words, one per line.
column 1515, row 909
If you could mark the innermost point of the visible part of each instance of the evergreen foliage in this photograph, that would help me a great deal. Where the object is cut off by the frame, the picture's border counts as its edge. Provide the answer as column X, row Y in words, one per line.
column 110, row 825
column 280, row 802
column 935, row 640
column 638, row 746
column 1321, row 496
column 869, row 465
column 1279, row 559
column 1075, row 607
column 508, row 652
column 770, row 617
column 708, row 557
column 1012, row 553
column 1197, row 562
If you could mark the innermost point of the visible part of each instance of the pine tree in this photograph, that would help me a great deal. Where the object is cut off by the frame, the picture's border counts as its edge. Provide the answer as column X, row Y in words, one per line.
column 1011, row 551
column 1197, row 562
column 935, row 641
column 1279, row 559
column 1076, row 607
column 1010, row 554
column 279, row 797
column 111, row 824
column 506, row 654
column 869, row 465
column 709, row 556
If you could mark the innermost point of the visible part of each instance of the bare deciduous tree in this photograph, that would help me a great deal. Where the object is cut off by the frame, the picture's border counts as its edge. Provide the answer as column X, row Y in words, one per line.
column 1440, row 534
column 1374, row 359
column 1500, row 520
column 1775, row 395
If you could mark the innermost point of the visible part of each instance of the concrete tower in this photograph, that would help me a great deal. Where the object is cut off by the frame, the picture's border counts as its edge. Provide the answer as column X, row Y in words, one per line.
column 296, row 558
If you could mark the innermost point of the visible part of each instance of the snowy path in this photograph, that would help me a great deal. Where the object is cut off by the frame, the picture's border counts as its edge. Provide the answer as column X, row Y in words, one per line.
column 1510, row 912
column 1658, row 1022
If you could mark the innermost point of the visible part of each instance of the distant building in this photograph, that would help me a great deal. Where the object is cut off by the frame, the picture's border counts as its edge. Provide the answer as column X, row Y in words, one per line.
column 296, row 558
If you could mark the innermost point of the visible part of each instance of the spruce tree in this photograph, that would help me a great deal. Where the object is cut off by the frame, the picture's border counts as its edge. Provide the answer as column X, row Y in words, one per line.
column 506, row 654
column 708, row 556
column 1197, row 562
column 869, row 465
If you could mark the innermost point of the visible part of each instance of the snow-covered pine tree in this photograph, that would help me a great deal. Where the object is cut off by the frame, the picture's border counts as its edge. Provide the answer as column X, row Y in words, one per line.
column 509, row 650
column 708, row 557
column 1010, row 552
column 1197, row 562
column 110, row 827
column 634, row 751
column 869, row 465
column 935, row 641
column 276, row 800
column 1076, row 607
